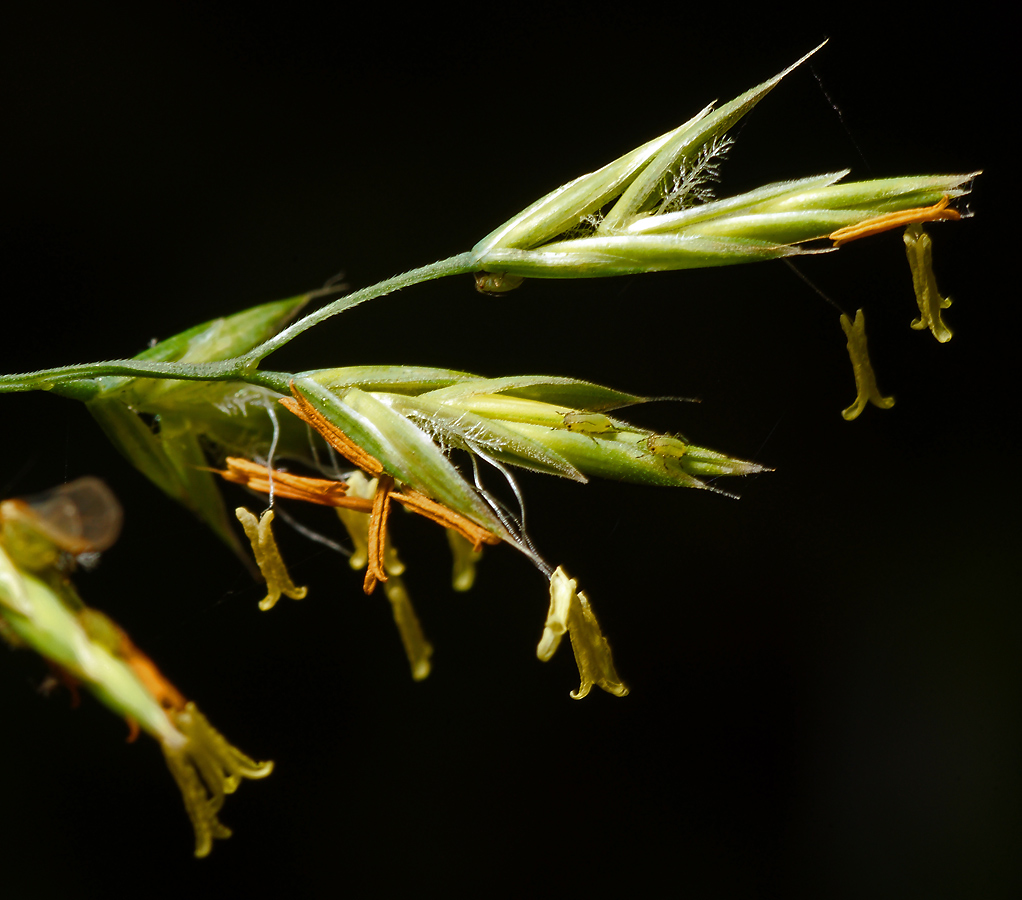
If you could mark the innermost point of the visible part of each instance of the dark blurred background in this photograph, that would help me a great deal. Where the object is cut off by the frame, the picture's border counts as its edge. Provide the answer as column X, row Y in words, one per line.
column 825, row 679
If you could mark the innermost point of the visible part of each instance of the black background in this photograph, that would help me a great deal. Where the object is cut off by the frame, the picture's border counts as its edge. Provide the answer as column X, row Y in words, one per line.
column 825, row 677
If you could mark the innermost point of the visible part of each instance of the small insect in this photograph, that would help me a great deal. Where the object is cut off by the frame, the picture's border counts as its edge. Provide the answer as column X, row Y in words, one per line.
column 80, row 517
column 589, row 423
column 665, row 445
column 497, row 282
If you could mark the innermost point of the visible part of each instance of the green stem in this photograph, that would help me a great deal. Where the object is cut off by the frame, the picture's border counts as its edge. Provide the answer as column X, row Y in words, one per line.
column 49, row 379
column 455, row 265
column 240, row 368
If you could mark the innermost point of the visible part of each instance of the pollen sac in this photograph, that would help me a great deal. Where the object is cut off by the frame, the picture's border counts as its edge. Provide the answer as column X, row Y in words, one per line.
column 919, row 249
column 206, row 768
column 418, row 650
column 465, row 557
column 865, row 380
column 267, row 555
column 357, row 525
column 571, row 613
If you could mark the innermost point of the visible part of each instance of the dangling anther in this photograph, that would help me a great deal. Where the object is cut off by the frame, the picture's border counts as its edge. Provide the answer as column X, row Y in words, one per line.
column 375, row 570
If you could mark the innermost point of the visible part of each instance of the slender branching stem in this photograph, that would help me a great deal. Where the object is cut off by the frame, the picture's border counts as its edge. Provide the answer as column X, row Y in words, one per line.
column 241, row 368
column 455, row 265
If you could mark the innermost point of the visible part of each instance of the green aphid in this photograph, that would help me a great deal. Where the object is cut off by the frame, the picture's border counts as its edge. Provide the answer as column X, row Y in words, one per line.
column 590, row 423
column 666, row 446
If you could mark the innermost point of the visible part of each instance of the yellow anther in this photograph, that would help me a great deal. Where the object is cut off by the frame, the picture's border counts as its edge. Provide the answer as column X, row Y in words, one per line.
column 358, row 524
column 465, row 557
column 919, row 248
column 268, row 558
column 865, row 380
column 570, row 612
column 206, row 768
column 417, row 648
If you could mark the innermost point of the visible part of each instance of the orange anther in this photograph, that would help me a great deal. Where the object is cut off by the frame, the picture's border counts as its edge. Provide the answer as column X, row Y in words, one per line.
column 938, row 212
column 168, row 696
column 375, row 570
column 321, row 491
column 332, row 434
